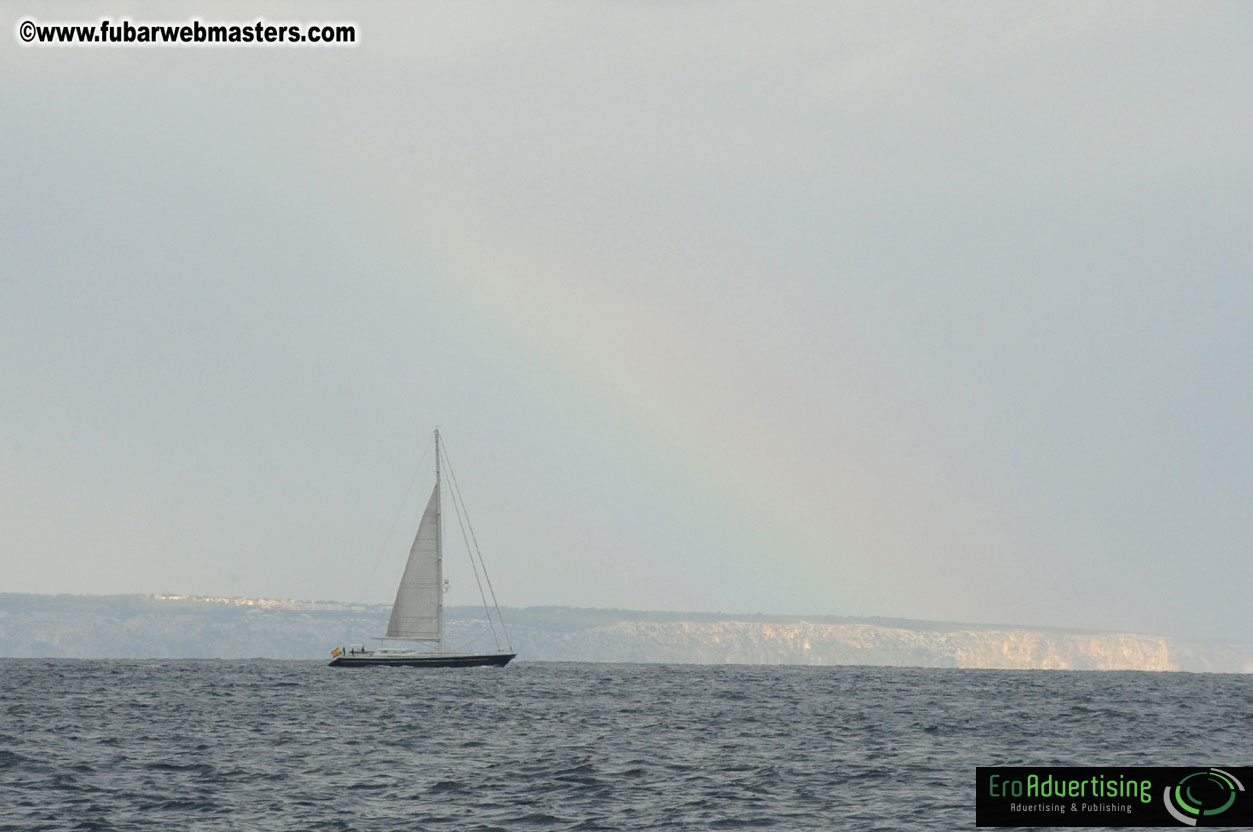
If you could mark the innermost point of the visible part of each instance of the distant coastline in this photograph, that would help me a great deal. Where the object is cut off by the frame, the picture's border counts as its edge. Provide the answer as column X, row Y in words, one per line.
column 193, row 626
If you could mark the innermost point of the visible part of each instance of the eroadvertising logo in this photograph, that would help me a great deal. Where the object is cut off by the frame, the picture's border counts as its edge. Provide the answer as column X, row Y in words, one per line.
column 1112, row 796
column 1203, row 795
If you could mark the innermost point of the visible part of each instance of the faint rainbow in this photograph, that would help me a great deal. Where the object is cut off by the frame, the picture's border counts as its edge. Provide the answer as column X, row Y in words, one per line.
column 514, row 293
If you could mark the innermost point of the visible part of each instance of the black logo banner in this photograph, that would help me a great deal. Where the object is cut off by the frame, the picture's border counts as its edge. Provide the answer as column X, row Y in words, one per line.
column 1113, row 796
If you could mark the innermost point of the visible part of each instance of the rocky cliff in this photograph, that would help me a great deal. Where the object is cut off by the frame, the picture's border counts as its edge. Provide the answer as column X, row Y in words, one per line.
column 818, row 642
column 197, row 627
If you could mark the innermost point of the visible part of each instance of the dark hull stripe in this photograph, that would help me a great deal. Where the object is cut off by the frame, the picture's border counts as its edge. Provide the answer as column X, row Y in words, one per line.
column 487, row 660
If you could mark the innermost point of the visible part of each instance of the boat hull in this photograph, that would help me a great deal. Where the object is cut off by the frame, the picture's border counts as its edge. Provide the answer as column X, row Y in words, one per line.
column 423, row 660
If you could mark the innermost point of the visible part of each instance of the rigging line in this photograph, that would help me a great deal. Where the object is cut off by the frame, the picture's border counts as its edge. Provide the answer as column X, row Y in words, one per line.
column 482, row 597
column 464, row 646
column 396, row 519
column 457, row 489
column 481, row 563
column 458, row 508
column 490, row 588
column 468, row 646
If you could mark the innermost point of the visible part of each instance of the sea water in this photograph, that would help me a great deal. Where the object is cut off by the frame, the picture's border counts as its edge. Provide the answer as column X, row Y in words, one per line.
column 269, row 745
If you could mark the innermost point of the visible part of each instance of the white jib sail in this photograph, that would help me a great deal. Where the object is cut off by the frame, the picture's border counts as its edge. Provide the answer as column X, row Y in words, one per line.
column 416, row 613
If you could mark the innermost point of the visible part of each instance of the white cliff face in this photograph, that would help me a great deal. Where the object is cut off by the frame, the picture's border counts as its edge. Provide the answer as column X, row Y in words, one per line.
column 204, row 627
column 819, row 643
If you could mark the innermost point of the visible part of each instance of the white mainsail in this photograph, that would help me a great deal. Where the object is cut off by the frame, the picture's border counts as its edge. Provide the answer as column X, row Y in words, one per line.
column 417, row 613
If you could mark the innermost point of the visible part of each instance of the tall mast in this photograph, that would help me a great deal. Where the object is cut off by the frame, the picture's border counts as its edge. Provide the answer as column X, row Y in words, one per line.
column 439, row 551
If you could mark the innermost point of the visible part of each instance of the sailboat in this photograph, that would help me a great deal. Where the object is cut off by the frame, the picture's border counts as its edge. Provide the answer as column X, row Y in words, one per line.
column 418, row 614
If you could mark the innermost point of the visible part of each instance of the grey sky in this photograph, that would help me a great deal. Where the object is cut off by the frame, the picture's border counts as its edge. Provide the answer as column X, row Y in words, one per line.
column 815, row 308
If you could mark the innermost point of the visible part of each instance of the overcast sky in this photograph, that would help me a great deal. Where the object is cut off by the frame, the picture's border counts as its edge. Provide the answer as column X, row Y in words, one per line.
column 832, row 308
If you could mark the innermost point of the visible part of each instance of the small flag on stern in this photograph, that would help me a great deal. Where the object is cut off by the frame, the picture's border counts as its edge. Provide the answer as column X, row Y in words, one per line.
column 336, row 652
